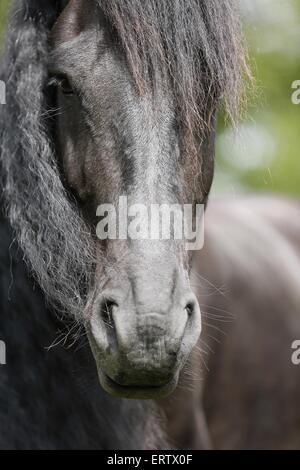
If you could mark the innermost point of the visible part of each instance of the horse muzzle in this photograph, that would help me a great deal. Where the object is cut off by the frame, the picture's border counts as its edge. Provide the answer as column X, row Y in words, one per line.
column 139, row 350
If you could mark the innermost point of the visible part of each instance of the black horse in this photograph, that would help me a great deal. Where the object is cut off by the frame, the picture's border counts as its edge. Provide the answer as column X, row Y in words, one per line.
column 107, row 99
column 104, row 99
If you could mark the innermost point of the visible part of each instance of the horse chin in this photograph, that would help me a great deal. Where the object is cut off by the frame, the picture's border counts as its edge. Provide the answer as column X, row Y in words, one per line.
column 139, row 392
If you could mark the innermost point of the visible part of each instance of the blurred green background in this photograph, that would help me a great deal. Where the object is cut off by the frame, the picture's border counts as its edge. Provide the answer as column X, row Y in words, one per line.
column 4, row 5
column 263, row 153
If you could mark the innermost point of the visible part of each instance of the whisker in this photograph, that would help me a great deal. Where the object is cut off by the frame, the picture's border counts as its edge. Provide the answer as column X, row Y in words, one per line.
column 216, row 318
column 207, row 345
column 202, row 278
column 213, row 338
column 215, row 328
column 213, row 307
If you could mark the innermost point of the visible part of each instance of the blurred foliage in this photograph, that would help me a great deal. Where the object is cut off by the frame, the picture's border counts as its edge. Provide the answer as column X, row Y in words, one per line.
column 4, row 7
column 263, row 153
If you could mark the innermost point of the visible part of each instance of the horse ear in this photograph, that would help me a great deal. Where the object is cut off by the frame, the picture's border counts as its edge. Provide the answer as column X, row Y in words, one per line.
column 70, row 22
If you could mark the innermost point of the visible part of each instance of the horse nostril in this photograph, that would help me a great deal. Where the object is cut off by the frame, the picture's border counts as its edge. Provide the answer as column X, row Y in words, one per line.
column 190, row 308
column 106, row 312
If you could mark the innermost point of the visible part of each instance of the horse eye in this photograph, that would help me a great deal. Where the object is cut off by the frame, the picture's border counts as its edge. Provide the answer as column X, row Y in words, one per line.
column 65, row 86
column 63, row 83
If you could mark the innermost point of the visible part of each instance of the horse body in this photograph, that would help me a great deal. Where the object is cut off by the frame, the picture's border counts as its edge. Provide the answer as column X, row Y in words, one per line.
column 254, row 380
column 240, row 389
